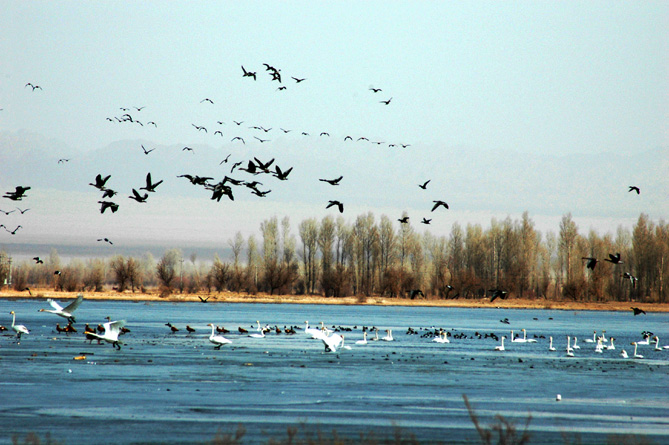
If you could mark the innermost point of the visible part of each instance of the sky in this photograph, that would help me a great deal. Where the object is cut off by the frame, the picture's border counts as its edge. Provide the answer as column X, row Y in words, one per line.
column 506, row 107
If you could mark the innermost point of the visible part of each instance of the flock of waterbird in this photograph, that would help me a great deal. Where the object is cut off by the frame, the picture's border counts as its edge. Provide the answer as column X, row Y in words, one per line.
column 333, row 339
column 226, row 185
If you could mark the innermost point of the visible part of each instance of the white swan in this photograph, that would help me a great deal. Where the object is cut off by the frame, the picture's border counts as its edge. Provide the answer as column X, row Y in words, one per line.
column 218, row 340
column 111, row 332
column 599, row 347
column 603, row 337
column 343, row 346
column 332, row 342
column 611, row 345
column 441, row 338
column 376, row 336
column 623, row 354
column 389, row 336
column 313, row 332
column 501, row 347
column 260, row 334
column 645, row 341
column 364, row 339
column 531, row 340
column 18, row 328
column 635, row 353
column 657, row 344
column 593, row 339
column 517, row 340
column 570, row 351
column 65, row 312
column 550, row 345
column 575, row 346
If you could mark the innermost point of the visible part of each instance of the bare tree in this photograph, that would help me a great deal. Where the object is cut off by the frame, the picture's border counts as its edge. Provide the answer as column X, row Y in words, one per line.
column 166, row 270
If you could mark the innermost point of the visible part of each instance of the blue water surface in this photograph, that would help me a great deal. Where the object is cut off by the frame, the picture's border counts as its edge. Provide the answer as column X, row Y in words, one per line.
column 164, row 387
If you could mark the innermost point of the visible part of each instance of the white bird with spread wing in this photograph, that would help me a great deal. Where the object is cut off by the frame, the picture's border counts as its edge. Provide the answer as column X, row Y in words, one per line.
column 67, row 311
column 111, row 333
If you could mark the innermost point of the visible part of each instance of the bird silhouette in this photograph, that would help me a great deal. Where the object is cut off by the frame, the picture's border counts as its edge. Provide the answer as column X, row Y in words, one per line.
column 218, row 132
column 146, row 152
column 386, row 102
column 248, row 73
column 404, row 220
column 152, row 123
column 437, row 204
column 615, row 259
column 332, row 181
column 424, row 185
column 109, row 193
column 261, row 140
column 638, row 311
column 591, row 262
column 106, row 240
column 137, row 197
column 632, row 278
column 108, row 205
column 225, row 161
column 151, row 186
column 375, row 90
column 206, row 99
column 203, row 300
column 238, row 122
column 18, row 194
column 38, row 260
column 325, row 133
column 196, row 180
column 34, row 87
column 281, row 175
column 426, row 221
column 339, row 205
column 298, row 80
column 188, row 149
column 498, row 293
column 281, row 88
column 100, row 182
column 63, row 160
column 238, row 138
column 12, row 232
column 635, row 189
column 199, row 128
column 7, row 212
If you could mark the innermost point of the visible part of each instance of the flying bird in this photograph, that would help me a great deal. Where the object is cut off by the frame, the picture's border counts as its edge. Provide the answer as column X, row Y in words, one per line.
column 12, row 232
column 386, row 102
column 238, row 138
column 67, row 311
column 426, row 221
column 100, row 182
column 34, row 87
column 18, row 194
column 615, row 259
column 188, row 149
column 638, row 311
column 38, row 260
column 404, row 220
column 199, row 128
column 591, row 262
column 109, row 193
column 498, row 293
column 104, row 205
column 146, row 152
column 298, row 80
column 339, row 205
column 150, row 186
column 249, row 73
column 7, row 212
column 63, row 160
column 106, row 240
column 332, row 181
column 196, row 180
column 137, row 197
column 206, row 99
column 282, row 175
column 439, row 203
column 225, row 161
column 112, row 329
column 635, row 189
column 632, row 278
column 424, row 185
column 375, row 90
column 261, row 140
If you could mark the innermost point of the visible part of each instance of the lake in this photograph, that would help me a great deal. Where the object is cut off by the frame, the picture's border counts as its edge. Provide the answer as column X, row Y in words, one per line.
column 176, row 388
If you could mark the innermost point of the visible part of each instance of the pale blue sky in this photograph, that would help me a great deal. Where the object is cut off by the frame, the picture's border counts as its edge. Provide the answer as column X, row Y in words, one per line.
column 467, row 80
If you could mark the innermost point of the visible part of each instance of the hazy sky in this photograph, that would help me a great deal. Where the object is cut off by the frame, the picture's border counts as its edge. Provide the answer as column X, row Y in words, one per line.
column 479, row 86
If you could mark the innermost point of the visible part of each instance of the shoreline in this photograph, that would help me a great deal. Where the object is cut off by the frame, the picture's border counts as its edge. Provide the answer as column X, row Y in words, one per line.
column 235, row 297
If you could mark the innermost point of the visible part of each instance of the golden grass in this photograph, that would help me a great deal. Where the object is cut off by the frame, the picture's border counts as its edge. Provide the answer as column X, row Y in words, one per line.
column 375, row 300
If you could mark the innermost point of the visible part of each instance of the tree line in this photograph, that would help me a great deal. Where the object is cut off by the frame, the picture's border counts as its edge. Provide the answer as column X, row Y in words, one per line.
column 336, row 258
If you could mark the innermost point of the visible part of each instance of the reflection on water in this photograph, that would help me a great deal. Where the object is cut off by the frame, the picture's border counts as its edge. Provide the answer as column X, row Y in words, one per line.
column 164, row 387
